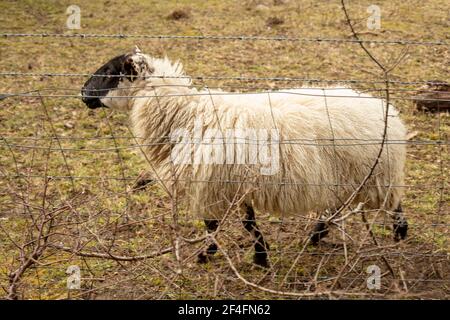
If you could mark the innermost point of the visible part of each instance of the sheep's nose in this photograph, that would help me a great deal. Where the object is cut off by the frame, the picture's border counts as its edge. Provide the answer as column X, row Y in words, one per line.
column 88, row 97
column 84, row 95
column 91, row 100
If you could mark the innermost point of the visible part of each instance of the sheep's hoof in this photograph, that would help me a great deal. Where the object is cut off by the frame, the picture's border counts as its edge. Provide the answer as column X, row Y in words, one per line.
column 142, row 184
column 260, row 259
column 205, row 256
column 202, row 258
column 320, row 231
column 400, row 230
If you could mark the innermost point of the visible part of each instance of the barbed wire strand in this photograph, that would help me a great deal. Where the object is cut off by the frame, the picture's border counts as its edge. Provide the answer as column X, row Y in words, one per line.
column 221, row 37
column 220, row 77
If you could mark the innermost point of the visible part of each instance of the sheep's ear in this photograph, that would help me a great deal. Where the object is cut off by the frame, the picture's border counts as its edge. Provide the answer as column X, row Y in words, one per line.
column 129, row 69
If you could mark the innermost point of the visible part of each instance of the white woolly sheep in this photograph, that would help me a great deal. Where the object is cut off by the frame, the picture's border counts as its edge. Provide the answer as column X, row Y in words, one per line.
column 312, row 147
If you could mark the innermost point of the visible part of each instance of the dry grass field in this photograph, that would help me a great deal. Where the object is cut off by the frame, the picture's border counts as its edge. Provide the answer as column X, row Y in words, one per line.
column 66, row 172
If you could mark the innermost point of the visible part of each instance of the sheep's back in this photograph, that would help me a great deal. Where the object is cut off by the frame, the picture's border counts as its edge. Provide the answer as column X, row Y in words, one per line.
column 328, row 144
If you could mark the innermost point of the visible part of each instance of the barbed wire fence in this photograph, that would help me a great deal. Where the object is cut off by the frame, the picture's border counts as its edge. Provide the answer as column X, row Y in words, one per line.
column 117, row 240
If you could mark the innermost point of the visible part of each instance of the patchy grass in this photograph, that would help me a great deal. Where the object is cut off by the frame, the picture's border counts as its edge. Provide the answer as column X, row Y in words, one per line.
column 106, row 203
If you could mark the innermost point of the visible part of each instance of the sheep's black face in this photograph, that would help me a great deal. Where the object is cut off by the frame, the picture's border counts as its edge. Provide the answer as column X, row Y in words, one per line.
column 105, row 79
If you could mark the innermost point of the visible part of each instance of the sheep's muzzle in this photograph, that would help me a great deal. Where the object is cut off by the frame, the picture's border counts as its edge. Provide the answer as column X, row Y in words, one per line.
column 105, row 79
column 91, row 100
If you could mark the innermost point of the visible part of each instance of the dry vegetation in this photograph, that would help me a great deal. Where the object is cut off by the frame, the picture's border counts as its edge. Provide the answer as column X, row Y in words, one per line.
column 47, row 219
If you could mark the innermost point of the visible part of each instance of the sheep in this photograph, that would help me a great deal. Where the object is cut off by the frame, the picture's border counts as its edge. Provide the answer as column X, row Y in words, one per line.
column 320, row 144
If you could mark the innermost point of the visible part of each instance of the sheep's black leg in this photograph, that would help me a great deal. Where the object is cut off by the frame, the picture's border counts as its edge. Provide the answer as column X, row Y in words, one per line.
column 400, row 224
column 261, row 247
column 320, row 231
column 211, row 225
